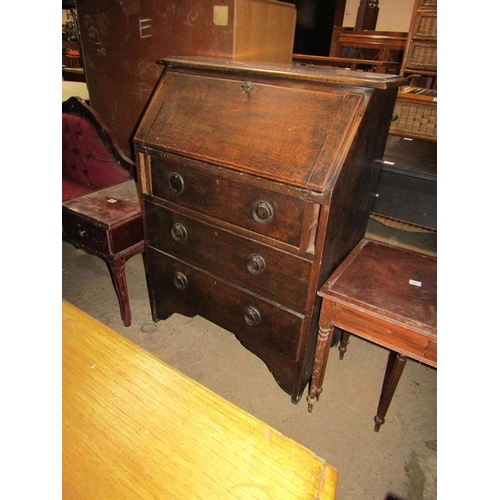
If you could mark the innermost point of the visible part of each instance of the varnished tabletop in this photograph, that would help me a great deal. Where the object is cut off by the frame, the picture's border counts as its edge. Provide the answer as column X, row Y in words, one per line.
column 108, row 205
column 388, row 280
column 387, row 295
column 135, row 428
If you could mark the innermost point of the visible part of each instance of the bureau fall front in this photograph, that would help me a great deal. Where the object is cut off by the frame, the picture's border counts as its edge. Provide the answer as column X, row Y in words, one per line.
column 256, row 182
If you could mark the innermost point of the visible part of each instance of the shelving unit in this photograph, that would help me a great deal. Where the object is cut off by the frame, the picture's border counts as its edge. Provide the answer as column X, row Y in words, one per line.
column 407, row 190
column 420, row 59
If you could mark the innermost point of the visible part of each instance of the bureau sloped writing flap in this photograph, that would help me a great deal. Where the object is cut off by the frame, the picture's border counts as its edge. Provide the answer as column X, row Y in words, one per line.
column 291, row 134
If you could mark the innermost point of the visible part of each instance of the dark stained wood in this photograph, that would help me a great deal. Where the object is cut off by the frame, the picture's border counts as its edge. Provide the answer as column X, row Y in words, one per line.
column 241, row 164
column 388, row 296
column 367, row 15
column 108, row 223
column 278, row 274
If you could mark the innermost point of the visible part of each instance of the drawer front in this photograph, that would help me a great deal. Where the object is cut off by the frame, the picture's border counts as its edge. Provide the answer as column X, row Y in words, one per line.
column 390, row 334
column 264, row 270
column 271, row 332
column 229, row 198
column 85, row 233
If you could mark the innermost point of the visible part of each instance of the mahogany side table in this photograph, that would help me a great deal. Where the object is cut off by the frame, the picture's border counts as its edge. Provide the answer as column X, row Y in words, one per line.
column 386, row 295
column 108, row 223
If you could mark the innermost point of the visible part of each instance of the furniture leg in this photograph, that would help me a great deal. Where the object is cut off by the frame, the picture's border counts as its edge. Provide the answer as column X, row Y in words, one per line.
column 395, row 365
column 117, row 268
column 344, row 340
column 323, row 344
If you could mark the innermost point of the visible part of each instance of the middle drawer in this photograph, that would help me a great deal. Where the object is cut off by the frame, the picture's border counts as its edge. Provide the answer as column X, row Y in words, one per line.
column 264, row 270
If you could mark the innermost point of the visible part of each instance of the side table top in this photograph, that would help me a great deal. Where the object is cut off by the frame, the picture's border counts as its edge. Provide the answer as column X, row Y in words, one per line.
column 389, row 281
column 109, row 205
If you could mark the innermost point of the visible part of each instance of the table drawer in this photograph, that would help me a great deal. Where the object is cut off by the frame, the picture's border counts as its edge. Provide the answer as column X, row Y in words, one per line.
column 85, row 233
column 275, row 274
column 229, row 197
column 267, row 330
column 391, row 334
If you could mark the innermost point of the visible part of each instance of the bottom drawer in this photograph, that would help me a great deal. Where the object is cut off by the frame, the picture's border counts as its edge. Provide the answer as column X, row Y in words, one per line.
column 270, row 332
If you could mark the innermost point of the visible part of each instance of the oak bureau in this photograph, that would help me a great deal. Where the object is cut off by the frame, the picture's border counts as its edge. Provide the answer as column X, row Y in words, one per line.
column 256, row 182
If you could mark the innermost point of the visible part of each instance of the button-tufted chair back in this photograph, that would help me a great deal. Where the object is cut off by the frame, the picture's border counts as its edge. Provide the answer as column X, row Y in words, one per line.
column 90, row 159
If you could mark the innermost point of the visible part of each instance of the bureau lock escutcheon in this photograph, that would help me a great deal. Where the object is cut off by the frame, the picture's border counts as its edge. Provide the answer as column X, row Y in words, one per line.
column 246, row 86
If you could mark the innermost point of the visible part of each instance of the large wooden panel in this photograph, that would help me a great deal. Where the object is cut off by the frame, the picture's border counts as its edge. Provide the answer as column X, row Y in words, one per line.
column 122, row 42
column 133, row 427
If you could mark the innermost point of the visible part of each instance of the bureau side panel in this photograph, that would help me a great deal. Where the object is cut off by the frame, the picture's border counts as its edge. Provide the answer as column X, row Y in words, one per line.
column 354, row 189
column 344, row 218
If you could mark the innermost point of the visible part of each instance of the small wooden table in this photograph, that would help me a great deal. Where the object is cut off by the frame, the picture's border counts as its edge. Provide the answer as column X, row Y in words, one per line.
column 108, row 223
column 133, row 427
column 388, row 296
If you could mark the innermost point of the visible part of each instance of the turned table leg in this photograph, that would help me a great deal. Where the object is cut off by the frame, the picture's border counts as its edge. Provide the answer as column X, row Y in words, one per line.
column 395, row 365
column 344, row 340
column 323, row 344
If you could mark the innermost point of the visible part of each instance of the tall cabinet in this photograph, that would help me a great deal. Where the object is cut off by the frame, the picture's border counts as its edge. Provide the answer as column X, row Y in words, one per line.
column 420, row 58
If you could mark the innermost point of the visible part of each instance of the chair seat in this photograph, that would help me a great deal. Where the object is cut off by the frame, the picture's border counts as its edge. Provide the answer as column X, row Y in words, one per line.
column 72, row 189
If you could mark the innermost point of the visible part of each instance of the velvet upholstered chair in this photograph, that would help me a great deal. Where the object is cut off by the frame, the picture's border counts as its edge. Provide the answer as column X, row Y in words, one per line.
column 90, row 159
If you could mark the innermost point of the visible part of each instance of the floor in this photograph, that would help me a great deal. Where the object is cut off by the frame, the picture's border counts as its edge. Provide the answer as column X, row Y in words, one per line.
column 399, row 462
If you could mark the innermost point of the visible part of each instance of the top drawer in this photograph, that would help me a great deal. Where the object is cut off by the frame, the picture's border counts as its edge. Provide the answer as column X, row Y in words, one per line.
column 232, row 198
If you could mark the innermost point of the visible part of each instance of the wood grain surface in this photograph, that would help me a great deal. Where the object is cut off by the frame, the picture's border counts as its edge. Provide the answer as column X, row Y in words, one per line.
column 133, row 427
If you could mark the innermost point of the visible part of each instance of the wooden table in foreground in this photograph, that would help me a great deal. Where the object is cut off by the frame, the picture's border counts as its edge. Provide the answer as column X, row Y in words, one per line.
column 388, row 296
column 133, row 427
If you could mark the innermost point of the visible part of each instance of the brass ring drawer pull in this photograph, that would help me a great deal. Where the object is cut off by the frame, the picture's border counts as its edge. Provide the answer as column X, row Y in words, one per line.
column 180, row 281
column 262, row 212
column 179, row 232
column 255, row 263
column 252, row 316
column 176, row 182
